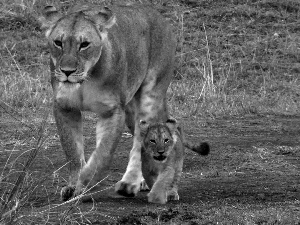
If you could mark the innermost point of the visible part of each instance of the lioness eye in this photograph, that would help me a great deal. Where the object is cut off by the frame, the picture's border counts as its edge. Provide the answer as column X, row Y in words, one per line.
column 58, row 43
column 84, row 44
column 152, row 141
column 166, row 140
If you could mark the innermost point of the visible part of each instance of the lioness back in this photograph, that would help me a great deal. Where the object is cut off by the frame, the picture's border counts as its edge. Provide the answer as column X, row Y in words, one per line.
column 145, row 41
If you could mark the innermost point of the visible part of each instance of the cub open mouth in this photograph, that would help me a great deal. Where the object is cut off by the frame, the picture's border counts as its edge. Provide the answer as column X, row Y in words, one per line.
column 160, row 157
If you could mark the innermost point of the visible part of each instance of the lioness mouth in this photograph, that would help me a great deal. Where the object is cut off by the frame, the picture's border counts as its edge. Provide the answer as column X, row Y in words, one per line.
column 67, row 82
column 160, row 157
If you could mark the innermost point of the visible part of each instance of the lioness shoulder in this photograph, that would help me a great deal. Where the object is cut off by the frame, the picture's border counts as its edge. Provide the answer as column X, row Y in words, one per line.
column 162, row 158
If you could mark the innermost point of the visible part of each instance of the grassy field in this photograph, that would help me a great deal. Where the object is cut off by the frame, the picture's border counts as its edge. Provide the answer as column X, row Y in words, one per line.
column 235, row 59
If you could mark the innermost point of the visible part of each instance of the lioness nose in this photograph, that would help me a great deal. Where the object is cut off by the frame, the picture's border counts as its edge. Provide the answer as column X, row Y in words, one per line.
column 68, row 72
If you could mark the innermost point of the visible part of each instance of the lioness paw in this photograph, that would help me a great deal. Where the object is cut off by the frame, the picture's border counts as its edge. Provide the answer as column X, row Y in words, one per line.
column 127, row 189
column 159, row 198
column 67, row 193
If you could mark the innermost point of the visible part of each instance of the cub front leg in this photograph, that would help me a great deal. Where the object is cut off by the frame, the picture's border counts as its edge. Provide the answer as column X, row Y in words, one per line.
column 172, row 195
column 159, row 192
column 158, row 197
column 108, row 133
column 69, row 127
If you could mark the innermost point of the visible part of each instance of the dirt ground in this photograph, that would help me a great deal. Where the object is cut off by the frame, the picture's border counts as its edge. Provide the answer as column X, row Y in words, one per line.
column 250, row 177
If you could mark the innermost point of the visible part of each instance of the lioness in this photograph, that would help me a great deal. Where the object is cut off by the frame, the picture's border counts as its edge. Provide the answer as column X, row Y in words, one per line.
column 116, row 62
column 162, row 158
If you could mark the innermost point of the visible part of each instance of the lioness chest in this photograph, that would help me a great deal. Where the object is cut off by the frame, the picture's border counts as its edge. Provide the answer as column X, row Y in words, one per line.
column 84, row 97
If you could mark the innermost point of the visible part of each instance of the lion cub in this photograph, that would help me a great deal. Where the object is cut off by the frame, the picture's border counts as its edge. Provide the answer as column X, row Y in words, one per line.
column 162, row 158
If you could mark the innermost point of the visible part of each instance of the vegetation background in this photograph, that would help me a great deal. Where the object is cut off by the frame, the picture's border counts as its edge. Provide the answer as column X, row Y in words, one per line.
column 235, row 59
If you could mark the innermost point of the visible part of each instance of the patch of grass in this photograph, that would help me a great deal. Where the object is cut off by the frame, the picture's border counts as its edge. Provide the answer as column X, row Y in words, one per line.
column 16, row 181
column 24, row 82
column 249, row 49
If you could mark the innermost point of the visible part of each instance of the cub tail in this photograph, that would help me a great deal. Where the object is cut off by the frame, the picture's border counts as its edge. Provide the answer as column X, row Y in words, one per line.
column 202, row 149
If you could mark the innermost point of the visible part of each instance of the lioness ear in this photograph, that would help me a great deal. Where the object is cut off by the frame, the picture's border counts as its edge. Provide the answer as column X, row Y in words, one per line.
column 105, row 18
column 172, row 125
column 49, row 17
column 143, row 127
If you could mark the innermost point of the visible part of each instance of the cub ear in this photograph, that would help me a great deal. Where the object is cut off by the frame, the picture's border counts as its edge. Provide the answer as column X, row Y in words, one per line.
column 172, row 125
column 49, row 17
column 105, row 18
column 143, row 127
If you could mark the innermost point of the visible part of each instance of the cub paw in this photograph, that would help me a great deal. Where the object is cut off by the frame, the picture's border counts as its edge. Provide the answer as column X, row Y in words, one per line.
column 67, row 193
column 173, row 196
column 144, row 186
column 127, row 189
column 159, row 198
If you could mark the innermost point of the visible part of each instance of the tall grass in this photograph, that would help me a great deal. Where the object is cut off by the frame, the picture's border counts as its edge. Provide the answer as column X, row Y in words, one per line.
column 232, row 62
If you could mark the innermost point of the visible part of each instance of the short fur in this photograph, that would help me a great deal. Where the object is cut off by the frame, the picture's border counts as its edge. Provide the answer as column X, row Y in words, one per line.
column 162, row 159
column 116, row 62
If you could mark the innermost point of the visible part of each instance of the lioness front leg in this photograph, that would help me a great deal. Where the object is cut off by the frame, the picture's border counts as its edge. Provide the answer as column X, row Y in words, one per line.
column 69, row 126
column 108, row 133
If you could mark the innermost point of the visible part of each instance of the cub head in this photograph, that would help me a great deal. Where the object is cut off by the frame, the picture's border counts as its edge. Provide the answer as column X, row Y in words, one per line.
column 75, row 40
column 158, row 139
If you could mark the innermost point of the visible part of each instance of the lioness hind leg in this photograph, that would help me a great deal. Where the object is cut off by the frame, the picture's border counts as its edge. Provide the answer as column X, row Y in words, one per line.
column 150, row 101
column 131, row 180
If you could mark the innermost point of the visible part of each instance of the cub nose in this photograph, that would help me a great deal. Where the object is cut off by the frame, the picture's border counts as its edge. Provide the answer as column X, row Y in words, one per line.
column 67, row 72
column 160, row 151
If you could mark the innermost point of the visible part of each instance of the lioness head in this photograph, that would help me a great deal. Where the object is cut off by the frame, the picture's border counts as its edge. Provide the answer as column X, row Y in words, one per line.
column 159, row 138
column 75, row 40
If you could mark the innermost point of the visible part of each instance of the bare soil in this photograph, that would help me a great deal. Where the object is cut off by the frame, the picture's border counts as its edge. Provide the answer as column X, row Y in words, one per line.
column 253, row 168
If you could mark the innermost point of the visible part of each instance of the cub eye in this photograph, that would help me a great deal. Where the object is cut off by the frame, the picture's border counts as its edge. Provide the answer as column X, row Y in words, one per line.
column 58, row 43
column 152, row 141
column 166, row 140
column 84, row 44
